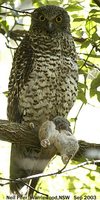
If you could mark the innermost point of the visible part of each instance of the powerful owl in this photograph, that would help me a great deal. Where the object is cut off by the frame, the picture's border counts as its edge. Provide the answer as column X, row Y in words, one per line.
column 43, row 81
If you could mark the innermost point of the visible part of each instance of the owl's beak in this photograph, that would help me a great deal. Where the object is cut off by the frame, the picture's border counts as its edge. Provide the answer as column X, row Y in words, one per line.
column 50, row 27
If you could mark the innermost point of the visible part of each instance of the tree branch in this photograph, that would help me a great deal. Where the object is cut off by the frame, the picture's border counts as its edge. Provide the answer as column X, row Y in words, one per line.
column 27, row 135
column 12, row 9
column 17, row 133
column 90, row 151
column 97, row 2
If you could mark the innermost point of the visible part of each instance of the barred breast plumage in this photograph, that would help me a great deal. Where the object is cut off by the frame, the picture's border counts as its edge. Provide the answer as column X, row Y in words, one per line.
column 43, row 80
column 52, row 84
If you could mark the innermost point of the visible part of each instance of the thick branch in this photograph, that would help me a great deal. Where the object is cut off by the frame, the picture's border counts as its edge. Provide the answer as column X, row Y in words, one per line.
column 18, row 133
column 90, row 151
column 97, row 2
column 27, row 135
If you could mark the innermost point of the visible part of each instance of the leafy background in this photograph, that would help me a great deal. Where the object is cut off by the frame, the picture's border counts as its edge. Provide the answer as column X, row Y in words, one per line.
column 85, row 27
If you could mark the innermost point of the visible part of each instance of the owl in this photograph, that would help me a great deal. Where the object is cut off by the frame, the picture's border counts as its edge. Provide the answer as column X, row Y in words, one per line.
column 42, row 83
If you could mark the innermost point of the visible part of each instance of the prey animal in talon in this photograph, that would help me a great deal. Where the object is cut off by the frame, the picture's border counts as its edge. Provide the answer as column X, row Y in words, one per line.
column 62, row 124
column 66, row 132
column 47, row 133
column 67, row 146
column 65, row 143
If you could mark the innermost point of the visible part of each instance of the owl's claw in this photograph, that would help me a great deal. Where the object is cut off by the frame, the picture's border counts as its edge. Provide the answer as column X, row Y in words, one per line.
column 45, row 143
column 31, row 124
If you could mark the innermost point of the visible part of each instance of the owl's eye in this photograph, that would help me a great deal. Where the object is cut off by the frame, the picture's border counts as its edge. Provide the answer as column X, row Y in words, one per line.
column 41, row 18
column 58, row 19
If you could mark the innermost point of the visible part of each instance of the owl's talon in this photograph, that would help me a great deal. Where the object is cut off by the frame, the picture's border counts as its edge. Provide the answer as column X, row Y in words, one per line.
column 45, row 143
column 31, row 124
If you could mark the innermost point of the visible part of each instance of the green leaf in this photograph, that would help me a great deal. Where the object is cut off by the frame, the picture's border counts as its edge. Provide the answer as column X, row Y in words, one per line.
column 92, row 177
column 6, row 93
column 98, row 95
column 94, row 11
column 74, row 7
column 52, row 2
column 72, row 119
column 82, row 85
column 5, row 25
column 95, row 36
column 90, row 26
column 79, row 33
column 79, row 19
column 94, row 87
column 85, row 44
column 74, row 15
column 94, row 56
column 81, row 96
column 95, row 19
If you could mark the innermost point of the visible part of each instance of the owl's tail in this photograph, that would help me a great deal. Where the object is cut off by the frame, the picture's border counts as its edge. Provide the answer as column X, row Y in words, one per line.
column 26, row 162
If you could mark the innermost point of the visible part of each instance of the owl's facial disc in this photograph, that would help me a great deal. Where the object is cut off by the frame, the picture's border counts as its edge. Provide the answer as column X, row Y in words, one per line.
column 50, row 20
column 48, row 24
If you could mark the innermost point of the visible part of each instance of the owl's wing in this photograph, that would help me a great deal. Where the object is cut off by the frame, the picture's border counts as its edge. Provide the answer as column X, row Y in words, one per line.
column 21, row 68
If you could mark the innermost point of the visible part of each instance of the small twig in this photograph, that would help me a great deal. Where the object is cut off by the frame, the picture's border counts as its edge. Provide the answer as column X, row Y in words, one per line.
column 15, row 10
column 77, row 116
column 95, row 106
column 61, row 170
column 87, row 58
column 80, row 40
column 29, row 186
column 41, row 175
column 90, row 64
column 88, row 162
column 11, row 48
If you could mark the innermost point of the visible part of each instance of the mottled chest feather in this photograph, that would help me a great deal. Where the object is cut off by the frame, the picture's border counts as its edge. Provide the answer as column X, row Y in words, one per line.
column 52, row 84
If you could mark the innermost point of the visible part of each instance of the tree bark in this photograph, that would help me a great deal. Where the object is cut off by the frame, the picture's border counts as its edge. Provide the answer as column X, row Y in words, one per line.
column 90, row 151
column 18, row 133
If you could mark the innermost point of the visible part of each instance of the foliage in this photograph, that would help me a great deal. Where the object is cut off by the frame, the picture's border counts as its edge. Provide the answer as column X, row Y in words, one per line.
column 85, row 26
column 80, row 182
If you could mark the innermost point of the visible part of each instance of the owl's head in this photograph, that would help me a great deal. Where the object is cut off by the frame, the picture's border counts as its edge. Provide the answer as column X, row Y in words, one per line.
column 49, row 20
